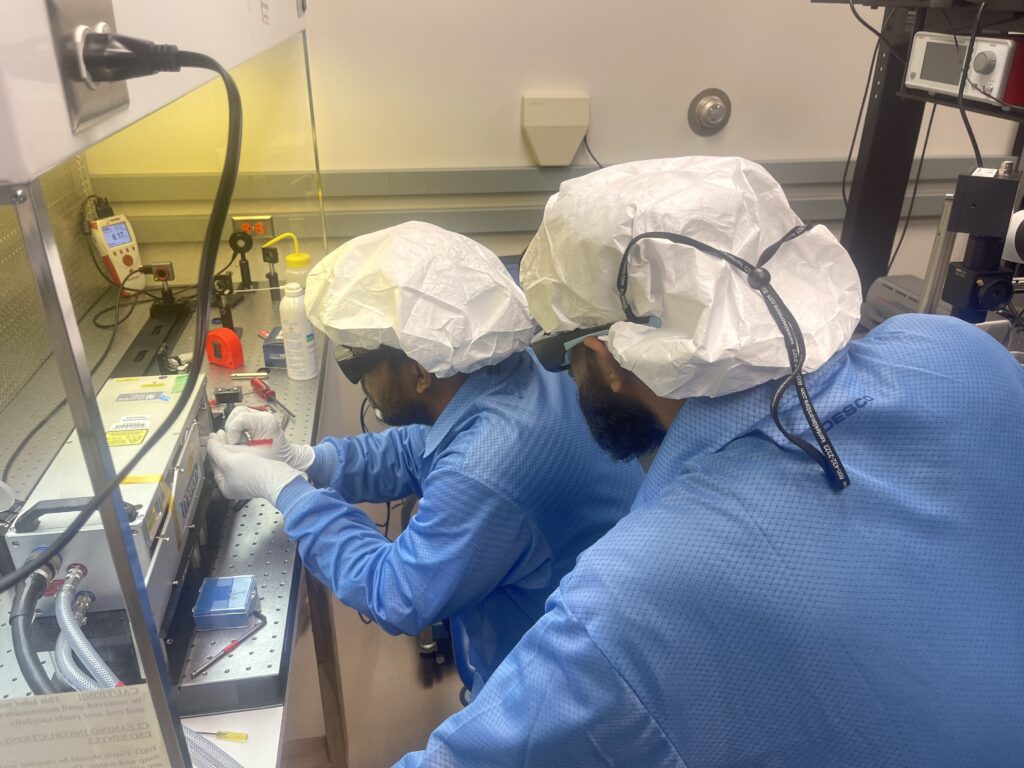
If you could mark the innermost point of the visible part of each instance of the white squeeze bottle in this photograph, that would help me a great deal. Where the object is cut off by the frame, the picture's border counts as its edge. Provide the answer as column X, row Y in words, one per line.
column 297, row 333
column 297, row 266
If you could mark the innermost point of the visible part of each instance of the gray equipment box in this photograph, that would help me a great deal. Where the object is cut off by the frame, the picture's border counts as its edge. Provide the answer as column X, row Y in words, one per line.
column 161, row 494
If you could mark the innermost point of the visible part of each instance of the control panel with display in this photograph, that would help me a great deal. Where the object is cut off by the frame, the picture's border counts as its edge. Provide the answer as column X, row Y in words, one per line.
column 115, row 241
column 995, row 73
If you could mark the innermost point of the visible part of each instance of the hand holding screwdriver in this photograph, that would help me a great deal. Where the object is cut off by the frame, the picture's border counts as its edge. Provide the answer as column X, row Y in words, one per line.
column 262, row 431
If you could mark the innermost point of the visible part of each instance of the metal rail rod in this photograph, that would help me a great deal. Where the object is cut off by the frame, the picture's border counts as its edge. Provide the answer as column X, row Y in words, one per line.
column 938, row 263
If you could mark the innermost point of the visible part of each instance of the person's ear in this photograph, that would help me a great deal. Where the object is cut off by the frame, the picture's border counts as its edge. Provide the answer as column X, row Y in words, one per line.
column 608, row 368
column 423, row 378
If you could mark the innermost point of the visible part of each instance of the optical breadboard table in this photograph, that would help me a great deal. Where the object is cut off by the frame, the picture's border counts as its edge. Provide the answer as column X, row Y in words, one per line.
column 251, row 542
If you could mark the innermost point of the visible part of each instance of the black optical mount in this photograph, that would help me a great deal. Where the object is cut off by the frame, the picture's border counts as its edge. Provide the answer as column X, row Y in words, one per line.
column 241, row 244
column 223, row 289
column 982, row 206
column 270, row 256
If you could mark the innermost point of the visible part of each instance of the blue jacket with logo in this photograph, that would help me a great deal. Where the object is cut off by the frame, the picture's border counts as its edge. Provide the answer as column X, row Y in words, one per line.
column 745, row 614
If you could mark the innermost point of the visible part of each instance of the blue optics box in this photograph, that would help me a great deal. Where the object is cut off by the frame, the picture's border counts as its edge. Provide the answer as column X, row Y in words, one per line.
column 273, row 349
column 226, row 602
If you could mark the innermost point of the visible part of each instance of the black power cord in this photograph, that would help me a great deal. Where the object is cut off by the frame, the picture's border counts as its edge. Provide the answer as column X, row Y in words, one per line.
column 856, row 127
column 586, row 146
column 964, row 76
column 53, row 412
column 860, row 111
column 118, row 317
column 1015, row 318
column 876, row 33
column 913, row 194
column 110, row 57
column 226, row 267
column 137, row 300
column 386, row 525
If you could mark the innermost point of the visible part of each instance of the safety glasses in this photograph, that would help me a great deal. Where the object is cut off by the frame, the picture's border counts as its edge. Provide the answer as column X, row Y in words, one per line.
column 356, row 363
column 553, row 351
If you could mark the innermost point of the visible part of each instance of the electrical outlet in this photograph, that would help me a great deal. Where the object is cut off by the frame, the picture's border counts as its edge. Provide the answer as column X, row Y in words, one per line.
column 254, row 226
column 87, row 105
column 163, row 271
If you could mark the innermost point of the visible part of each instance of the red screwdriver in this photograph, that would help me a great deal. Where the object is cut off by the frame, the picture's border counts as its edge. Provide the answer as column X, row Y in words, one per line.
column 262, row 389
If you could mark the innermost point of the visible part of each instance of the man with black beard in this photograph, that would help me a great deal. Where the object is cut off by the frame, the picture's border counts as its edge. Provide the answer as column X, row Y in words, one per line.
column 512, row 486
column 623, row 428
column 823, row 565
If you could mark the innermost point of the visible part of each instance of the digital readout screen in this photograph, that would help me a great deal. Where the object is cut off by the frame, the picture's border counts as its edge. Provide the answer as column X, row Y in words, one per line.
column 943, row 63
column 116, row 234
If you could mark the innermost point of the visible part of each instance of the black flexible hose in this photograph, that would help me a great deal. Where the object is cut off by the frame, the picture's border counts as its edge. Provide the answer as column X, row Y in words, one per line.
column 23, row 611
column 58, row 683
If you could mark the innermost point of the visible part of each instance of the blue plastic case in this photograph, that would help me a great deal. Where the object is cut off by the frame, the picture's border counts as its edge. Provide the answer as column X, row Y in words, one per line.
column 273, row 349
column 226, row 602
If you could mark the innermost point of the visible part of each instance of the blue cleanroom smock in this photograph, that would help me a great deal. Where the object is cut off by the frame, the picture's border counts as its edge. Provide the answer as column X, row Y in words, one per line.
column 745, row 614
column 513, row 488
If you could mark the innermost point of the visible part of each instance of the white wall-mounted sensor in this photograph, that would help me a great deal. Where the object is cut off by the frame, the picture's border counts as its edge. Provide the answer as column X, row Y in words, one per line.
column 554, row 127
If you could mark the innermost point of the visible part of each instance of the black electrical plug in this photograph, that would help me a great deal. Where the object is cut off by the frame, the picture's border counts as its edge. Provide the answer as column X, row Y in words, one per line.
column 104, row 210
column 110, row 57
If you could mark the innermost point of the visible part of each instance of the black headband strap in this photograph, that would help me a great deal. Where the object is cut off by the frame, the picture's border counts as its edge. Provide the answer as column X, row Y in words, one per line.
column 759, row 279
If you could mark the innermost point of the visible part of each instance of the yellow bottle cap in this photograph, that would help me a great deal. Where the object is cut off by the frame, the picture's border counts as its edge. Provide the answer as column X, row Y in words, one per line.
column 297, row 260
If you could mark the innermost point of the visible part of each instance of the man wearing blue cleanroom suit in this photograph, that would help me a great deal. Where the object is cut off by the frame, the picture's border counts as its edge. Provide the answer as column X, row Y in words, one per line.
column 513, row 488
column 750, row 610
column 512, row 485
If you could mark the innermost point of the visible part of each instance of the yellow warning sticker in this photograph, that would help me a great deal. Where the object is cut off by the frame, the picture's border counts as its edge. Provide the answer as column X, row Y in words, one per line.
column 124, row 437
column 153, row 518
column 155, row 514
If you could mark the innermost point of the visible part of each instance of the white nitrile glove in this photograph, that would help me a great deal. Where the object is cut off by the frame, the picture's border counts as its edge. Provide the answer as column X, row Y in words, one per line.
column 242, row 473
column 261, row 425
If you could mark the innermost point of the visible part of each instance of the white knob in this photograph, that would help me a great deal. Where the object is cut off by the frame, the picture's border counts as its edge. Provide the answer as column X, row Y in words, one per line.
column 984, row 63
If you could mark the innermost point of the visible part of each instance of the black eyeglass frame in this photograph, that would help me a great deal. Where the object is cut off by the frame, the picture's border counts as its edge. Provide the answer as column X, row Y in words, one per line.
column 355, row 364
column 552, row 350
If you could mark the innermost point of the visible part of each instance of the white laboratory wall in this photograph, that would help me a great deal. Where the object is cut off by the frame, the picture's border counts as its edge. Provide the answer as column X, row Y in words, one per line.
column 437, row 83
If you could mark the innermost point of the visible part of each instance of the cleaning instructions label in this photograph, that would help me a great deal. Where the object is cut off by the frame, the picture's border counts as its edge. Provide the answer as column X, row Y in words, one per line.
column 110, row 728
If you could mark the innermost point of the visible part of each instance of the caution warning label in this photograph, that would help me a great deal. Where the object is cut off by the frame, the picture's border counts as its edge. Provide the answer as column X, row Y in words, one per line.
column 125, row 437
